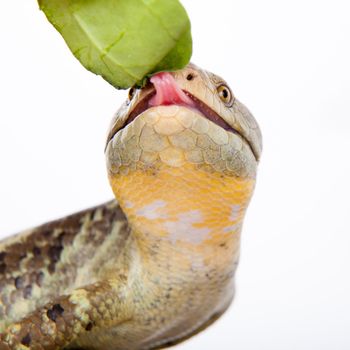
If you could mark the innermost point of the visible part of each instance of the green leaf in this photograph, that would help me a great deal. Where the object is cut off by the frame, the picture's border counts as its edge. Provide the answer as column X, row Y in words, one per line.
column 123, row 40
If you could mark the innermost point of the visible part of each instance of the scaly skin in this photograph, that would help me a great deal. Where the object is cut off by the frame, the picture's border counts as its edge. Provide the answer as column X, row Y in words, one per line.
column 159, row 266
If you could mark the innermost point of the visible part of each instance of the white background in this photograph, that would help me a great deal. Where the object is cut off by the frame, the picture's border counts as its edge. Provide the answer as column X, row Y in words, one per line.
column 289, row 62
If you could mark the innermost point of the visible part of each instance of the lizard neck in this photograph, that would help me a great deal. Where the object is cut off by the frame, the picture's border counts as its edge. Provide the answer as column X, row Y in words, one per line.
column 184, row 210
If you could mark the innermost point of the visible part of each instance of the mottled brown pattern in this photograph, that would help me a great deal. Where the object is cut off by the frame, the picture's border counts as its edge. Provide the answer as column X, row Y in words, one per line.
column 36, row 336
column 30, row 261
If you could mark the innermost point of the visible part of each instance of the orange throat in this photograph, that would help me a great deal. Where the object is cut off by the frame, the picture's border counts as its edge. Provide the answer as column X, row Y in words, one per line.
column 184, row 206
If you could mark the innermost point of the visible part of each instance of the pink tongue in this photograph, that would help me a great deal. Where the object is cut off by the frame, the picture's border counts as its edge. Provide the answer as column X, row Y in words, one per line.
column 168, row 92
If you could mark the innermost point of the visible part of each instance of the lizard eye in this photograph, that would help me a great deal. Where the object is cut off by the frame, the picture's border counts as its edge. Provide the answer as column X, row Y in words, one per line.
column 131, row 93
column 225, row 95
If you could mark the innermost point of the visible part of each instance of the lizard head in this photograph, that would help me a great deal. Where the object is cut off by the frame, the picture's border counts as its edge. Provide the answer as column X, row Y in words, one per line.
column 188, row 100
column 183, row 138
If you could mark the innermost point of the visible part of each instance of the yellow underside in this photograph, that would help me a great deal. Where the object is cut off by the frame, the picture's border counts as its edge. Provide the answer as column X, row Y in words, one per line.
column 185, row 205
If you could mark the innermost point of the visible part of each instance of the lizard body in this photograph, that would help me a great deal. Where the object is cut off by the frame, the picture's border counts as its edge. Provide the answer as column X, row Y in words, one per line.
column 157, row 265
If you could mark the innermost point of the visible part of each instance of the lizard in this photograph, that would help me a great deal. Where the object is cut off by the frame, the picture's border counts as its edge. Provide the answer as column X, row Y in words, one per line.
column 155, row 265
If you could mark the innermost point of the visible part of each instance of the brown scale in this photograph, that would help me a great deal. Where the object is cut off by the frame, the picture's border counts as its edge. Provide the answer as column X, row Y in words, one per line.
column 25, row 262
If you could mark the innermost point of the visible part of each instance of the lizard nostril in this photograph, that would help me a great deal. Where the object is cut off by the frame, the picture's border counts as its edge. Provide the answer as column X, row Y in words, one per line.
column 190, row 76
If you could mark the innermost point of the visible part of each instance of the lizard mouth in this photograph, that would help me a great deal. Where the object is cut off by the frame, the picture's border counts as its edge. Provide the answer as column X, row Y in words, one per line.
column 192, row 103
column 164, row 91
